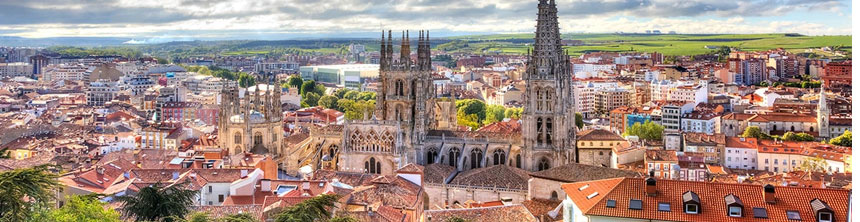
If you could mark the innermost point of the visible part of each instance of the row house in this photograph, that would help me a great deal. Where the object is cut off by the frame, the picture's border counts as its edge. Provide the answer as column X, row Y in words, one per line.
column 662, row 163
column 712, row 147
column 639, row 199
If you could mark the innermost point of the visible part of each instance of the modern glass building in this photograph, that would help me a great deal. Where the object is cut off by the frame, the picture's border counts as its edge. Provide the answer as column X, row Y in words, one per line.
column 350, row 76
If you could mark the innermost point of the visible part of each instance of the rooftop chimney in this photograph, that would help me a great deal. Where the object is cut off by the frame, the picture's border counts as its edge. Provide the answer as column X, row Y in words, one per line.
column 265, row 185
column 769, row 194
column 651, row 187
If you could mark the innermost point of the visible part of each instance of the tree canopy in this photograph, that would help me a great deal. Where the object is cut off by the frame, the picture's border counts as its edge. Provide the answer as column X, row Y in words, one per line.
column 317, row 208
column 36, row 184
column 79, row 208
column 842, row 140
column 647, row 131
column 157, row 203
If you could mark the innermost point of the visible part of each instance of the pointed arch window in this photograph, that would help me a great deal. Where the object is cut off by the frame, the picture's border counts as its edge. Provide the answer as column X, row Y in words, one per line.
column 540, row 130
column 499, row 157
column 372, row 166
column 549, row 130
column 453, row 156
column 431, row 156
column 237, row 138
column 543, row 164
column 519, row 161
column 476, row 157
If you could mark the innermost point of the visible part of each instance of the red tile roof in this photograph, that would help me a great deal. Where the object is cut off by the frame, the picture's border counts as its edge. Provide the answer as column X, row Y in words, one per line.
column 711, row 195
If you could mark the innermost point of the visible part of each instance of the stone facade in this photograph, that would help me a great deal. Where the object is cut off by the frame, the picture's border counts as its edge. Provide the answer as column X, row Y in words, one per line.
column 250, row 120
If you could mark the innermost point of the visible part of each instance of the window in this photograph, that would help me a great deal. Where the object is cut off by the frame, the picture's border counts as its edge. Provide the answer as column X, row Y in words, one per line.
column 635, row 204
column 610, row 203
column 691, row 209
column 499, row 157
column 431, row 156
column 220, row 198
column 553, row 196
column 453, row 157
column 544, row 164
column 664, row 207
column 477, row 155
column 825, row 217
column 759, row 212
column 792, row 215
column 735, row 211
column 765, row 161
column 210, row 189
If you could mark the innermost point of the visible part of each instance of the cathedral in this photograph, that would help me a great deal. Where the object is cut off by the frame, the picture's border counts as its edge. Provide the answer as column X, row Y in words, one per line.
column 412, row 125
column 250, row 119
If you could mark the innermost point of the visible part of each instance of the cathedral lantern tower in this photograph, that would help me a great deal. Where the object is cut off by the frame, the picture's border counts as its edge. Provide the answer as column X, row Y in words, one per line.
column 549, row 128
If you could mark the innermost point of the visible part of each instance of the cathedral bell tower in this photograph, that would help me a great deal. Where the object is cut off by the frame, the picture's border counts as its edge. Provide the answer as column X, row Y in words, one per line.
column 549, row 128
column 405, row 92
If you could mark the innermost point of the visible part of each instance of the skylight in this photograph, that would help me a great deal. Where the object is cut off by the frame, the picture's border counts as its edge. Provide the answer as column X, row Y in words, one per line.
column 610, row 203
column 283, row 189
column 583, row 187
column 792, row 215
column 759, row 212
column 635, row 204
column 664, row 207
column 592, row 195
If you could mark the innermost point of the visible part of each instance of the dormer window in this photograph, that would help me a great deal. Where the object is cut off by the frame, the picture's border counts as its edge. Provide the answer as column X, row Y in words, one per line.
column 735, row 211
column 734, row 205
column 822, row 211
column 692, row 204
column 825, row 217
column 691, row 209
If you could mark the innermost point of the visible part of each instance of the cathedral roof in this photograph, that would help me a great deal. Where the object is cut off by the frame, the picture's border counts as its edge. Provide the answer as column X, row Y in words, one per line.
column 500, row 176
column 574, row 172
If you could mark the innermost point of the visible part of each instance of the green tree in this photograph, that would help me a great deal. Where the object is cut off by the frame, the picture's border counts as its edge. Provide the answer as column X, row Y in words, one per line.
column 367, row 96
column 513, row 113
column 199, row 217
column 344, row 104
column 311, row 86
column 470, row 120
column 157, row 203
column 495, row 113
column 842, row 140
column 295, row 80
column 246, row 80
column 472, row 106
column 315, row 209
column 328, row 102
column 754, row 132
column 343, row 219
column 802, row 137
column 310, row 99
column 5, row 154
column 351, row 95
column 79, row 208
column 341, row 93
column 812, row 164
column 240, row 217
column 23, row 190
column 455, row 219
column 579, row 122
column 647, row 131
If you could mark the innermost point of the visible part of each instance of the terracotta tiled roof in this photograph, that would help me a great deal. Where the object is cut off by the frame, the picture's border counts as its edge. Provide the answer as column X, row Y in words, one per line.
column 660, row 155
column 222, row 211
column 348, row 178
column 740, row 142
column 574, row 172
column 511, row 213
column 396, row 192
column 510, row 126
column 711, row 195
column 501, row 176
column 437, row 173
column 598, row 135
column 544, row 208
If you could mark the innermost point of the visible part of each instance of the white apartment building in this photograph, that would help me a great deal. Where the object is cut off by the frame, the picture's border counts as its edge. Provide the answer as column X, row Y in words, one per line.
column 741, row 153
column 587, row 70
column 15, row 69
column 73, row 72
column 700, row 123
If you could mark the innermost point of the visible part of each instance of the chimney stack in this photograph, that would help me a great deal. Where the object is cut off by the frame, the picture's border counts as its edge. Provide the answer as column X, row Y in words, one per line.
column 651, row 187
column 769, row 194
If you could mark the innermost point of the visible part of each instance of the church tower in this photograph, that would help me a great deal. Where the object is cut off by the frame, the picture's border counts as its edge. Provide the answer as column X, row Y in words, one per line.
column 823, row 116
column 549, row 128
column 405, row 91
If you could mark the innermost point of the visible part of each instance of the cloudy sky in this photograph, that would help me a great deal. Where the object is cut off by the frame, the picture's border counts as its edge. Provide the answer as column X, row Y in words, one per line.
column 154, row 20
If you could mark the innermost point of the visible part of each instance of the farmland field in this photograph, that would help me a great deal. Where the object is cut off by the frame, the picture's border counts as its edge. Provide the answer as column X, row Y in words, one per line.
column 666, row 44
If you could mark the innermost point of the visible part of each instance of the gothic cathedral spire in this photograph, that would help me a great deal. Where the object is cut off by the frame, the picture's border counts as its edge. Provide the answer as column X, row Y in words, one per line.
column 548, row 117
